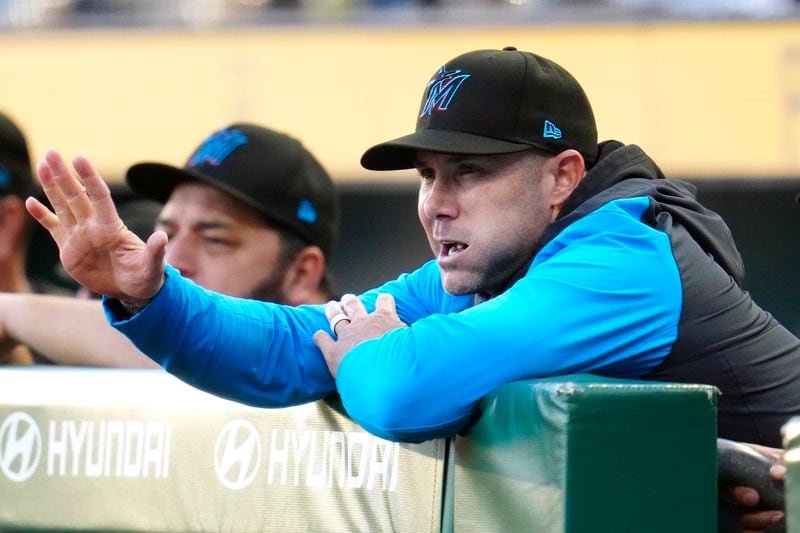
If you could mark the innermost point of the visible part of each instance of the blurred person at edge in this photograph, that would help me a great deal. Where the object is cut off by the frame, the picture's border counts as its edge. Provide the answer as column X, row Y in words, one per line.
column 251, row 214
column 16, row 227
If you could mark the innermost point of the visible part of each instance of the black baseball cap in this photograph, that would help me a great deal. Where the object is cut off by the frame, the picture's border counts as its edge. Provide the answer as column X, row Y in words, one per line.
column 15, row 163
column 269, row 171
column 495, row 102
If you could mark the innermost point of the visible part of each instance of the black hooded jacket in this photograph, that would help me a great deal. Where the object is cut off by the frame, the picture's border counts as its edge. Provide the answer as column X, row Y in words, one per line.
column 724, row 338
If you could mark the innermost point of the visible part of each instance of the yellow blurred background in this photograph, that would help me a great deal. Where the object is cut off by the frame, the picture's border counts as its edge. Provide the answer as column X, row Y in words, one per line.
column 704, row 99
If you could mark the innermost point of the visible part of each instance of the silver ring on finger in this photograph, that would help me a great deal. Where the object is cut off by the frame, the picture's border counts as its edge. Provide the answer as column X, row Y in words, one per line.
column 336, row 320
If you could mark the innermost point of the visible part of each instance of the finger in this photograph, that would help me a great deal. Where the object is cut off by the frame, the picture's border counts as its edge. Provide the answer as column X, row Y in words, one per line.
column 385, row 304
column 760, row 521
column 774, row 454
column 97, row 190
column 353, row 307
column 46, row 218
column 744, row 496
column 778, row 472
column 337, row 317
column 73, row 191
column 55, row 195
column 332, row 308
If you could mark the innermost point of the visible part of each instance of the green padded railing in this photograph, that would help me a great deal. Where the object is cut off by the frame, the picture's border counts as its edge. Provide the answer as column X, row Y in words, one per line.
column 582, row 454
column 119, row 450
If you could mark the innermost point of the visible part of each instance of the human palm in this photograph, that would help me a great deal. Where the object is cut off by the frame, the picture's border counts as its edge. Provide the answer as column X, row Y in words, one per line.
column 95, row 247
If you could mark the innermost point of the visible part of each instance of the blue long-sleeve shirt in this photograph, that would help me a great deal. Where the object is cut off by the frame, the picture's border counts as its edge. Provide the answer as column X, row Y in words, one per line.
column 603, row 296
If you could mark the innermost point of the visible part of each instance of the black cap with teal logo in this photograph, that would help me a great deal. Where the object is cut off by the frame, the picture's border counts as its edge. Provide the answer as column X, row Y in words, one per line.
column 495, row 102
column 267, row 170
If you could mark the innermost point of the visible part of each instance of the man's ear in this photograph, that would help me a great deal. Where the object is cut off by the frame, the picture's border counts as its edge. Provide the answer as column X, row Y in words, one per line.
column 568, row 168
column 12, row 225
column 301, row 283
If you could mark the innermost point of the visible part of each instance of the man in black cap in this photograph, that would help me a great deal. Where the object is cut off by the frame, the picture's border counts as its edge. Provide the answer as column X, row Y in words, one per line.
column 554, row 255
column 252, row 214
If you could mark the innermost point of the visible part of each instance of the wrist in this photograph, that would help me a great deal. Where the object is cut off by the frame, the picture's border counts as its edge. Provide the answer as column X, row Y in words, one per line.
column 132, row 307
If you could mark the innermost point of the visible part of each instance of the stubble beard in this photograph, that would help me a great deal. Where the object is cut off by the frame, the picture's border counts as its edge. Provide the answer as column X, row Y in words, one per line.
column 271, row 288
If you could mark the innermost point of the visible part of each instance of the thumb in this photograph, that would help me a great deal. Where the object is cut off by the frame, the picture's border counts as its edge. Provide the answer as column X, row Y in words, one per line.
column 155, row 265
column 156, row 247
column 385, row 304
column 323, row 341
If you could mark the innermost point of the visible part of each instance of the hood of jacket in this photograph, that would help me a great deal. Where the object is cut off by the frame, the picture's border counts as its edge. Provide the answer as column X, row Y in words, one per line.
column 625, row 171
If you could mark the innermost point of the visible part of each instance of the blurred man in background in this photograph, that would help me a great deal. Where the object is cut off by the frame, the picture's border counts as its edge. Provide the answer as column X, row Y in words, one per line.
column 252, row 214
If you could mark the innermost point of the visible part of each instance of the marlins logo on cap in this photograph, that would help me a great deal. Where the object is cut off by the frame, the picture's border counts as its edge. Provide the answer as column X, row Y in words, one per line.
column 217, row 148
column 441, row 90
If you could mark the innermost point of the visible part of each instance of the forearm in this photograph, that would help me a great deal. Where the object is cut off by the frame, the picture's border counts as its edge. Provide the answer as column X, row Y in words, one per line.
column 253, row 352
column 67, row 331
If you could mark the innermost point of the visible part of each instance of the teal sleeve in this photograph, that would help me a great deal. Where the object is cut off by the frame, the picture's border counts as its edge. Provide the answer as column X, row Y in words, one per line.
column 254, row 352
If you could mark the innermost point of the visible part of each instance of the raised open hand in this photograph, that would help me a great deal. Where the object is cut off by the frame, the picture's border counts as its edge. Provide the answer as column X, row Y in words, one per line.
column 95, row 246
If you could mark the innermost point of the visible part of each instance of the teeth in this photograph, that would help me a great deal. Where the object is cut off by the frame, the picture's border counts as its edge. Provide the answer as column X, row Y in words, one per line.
column 455, row 248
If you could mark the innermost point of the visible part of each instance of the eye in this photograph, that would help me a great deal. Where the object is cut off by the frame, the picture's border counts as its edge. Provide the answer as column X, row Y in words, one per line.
column 466, row 170
column 217, row 241
column 426, row 174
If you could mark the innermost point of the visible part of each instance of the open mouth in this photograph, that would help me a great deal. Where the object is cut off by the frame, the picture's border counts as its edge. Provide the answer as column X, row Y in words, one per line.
column 453, row 248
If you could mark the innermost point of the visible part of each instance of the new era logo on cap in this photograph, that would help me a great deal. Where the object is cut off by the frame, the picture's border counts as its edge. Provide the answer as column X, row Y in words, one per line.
column 306, row 211
column 551, row 131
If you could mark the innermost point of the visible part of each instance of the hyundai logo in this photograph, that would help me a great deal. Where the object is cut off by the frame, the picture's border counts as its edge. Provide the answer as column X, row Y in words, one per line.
column 237, row 454
column 20, row 446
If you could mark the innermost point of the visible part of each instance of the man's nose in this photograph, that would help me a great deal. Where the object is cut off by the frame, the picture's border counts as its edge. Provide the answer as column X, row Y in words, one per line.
column 439, row 201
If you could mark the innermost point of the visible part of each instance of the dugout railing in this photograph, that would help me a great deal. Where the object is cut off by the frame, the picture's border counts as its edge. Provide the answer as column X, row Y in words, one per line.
column 135, row 450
